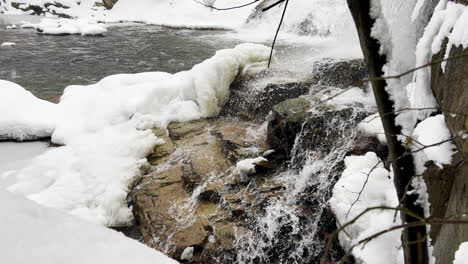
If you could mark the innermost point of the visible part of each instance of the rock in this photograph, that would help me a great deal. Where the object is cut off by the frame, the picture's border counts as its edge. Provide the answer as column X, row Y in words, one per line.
column 286, row 122
column 364, row 144
column 448, row 187
column 453, row 101
column 210, row 196
column 319, row 130
column 256, row 104
column 109, row 3
column 233, row 134
column 179, row 130
column 341, row 73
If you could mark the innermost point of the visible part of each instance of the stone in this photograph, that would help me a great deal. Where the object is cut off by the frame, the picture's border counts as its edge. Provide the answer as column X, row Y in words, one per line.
column 364, row 144
column 339, row 73
column 179, row 130
column 109, row 3
column 233, row 134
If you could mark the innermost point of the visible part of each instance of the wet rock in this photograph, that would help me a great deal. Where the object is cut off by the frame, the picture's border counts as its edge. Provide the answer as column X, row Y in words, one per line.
column 49, row 7
column 364, row 144
column 341, row 73
column 210, row 196
column 179, row 130
column 317, row 129
column 250, row 102
column 250, row 105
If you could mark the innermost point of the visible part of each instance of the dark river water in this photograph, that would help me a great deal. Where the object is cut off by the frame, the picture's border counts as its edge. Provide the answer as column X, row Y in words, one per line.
column 45, row 65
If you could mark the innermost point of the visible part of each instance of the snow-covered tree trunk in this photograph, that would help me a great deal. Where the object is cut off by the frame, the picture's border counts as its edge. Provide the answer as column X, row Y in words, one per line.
column 414, row 238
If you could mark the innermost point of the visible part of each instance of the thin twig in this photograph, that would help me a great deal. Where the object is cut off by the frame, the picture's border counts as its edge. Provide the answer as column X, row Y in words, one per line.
column 277, row 32
column 226, row 8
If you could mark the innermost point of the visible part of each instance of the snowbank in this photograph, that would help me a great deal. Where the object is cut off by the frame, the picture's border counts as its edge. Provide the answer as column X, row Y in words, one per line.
column 33, row 234
column 461, row 256
column 22, row 115
column 67, row 27
column 105, row 130
column 379, row 191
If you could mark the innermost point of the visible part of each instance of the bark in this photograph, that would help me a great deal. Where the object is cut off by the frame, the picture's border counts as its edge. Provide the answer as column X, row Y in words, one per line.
column 403, row 165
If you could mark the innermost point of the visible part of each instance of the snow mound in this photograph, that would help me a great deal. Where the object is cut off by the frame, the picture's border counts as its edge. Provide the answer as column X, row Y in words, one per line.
column 68, row 27
column 461, row 256
column 34, row 234
column 379, row 191
column 105, row 128
column 429, row 133
column 22, row 115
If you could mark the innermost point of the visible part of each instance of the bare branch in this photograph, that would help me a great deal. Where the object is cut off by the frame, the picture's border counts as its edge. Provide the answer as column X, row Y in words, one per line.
column 226, row 8
column 277, row 32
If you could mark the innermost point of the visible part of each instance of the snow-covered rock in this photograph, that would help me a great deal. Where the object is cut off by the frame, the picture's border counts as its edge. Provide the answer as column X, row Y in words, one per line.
column 22, row 115
column 105, row 128
column 68, row 27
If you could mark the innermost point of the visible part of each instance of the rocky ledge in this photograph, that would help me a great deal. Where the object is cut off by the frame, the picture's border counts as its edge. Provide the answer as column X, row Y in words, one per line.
column 213, row 179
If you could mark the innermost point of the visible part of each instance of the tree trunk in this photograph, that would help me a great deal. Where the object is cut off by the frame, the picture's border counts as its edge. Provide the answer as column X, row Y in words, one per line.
column 403, row 166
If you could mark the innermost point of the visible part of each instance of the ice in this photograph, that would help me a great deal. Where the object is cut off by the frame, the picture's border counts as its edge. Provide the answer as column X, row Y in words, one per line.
column 23, row 116
column 34, row 234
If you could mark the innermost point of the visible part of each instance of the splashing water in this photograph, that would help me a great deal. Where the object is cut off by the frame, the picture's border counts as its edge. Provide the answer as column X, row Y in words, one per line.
column 288, row 229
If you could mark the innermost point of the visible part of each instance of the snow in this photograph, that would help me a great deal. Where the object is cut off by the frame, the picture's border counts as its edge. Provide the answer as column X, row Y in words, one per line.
column 105, row 128
column 8, row 44
column 14, row 156
column 378, row 191
column 352, row 96
column 247, row 166
column 182, row 13
column 23, row 116
column 68, row 27
column 372, row 126
column 187, row 254
column 461, row 256
column 34, row 234
column 433, row 130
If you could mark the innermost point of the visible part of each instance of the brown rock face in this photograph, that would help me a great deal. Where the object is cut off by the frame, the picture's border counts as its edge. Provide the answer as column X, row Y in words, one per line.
column 184, row 201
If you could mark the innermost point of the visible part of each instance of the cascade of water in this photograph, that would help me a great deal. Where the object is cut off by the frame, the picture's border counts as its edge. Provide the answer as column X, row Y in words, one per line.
column 287, row 230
